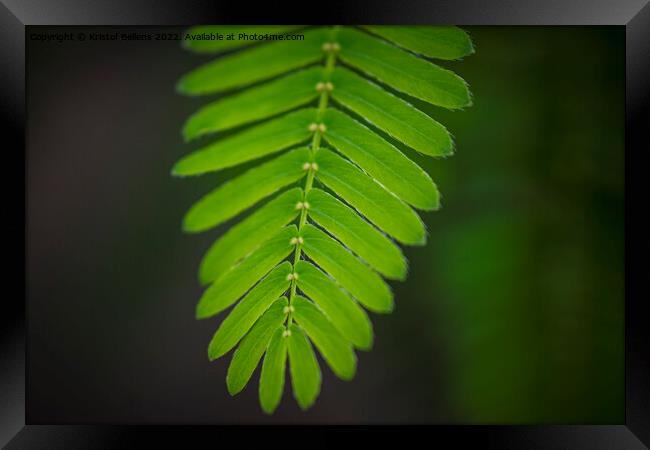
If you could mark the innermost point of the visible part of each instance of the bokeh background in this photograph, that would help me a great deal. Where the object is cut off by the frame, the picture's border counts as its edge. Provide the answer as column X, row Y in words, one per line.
column 512, row 313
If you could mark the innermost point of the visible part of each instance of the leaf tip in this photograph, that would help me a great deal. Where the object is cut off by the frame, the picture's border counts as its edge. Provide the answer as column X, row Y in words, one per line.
column 450, row 149
column 401, row 271
column 366, row 346
column 385, row 309
column 177, row 170
column 204, row 276
column 182, row 88
column 201, row 311
column 305, row 404
column 216, row 350
column 268, row 408
column 188, row 134
column 432, row 204
column 233, row 388
column 471, row 48
column 212, row 355
column 348, row 376
column 198, row 315
column 189, row 227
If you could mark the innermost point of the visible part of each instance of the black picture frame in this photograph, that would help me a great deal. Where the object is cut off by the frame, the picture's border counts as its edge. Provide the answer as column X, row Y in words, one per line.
column 634, row 15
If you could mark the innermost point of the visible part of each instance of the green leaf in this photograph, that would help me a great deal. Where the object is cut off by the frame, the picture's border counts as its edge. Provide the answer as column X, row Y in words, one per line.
column 235, row 196
column 252, row 143
column 234, row 283
column 252, row 347
column 273, row 368
column 198, row 39
column 403, row 71
column 391, row 114
column 256, row 64
column 254, row 104
column 336, row 351
column 346, row 202
column 357, row 234
column 369, row 198
column 346, row 315
column 249, row 234
column 432, row 41
column 380, row 160
column 248, row 310
column 305, row 373
column 357, row 278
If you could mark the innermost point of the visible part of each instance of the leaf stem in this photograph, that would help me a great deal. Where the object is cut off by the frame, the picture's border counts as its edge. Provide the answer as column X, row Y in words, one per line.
column 330, row 62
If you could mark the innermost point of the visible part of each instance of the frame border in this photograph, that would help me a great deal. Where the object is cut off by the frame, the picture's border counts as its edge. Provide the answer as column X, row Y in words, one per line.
column 15, row 15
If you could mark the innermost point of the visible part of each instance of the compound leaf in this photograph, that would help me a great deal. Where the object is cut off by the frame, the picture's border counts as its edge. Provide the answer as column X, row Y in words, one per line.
column 301, row 267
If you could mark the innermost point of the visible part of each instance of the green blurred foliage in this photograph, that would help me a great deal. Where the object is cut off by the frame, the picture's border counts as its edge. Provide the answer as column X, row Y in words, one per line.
column 525, row 259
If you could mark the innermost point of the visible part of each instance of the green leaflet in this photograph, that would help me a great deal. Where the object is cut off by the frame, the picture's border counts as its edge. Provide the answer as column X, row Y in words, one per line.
column 391, row 114
column 248, row 310
column 248, row 234
column 357, row 234
column 254, row 104
column 381, row 160
column 194, row 39
column 256, row 64
column 345, row 314
column 238, row 194
column 273, row 368
column 369, row 198
column 357, row 278
column 336, row 351
column 434, row 42
column 402, row 70
column 252, row 347
column 234, row 283
column 252, row 143
column 305, row 373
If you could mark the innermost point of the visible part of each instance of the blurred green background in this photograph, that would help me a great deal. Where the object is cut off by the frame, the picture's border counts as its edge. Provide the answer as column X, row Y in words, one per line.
column 512, row 313
column 525, row 263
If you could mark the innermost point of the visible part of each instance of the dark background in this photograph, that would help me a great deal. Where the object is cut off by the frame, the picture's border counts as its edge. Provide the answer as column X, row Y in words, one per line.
column 513, row 312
